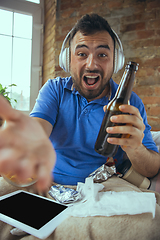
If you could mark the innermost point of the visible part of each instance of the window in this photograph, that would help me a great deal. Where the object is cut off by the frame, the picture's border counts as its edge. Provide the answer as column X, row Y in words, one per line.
column 21, row 50
column 34, row 1
column 15, row 61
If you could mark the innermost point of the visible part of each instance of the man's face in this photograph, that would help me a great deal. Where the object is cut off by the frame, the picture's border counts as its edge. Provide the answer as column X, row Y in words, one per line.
column 91, row 63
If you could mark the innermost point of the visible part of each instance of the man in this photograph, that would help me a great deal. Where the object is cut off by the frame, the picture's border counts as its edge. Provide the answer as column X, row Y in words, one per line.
column 70, row 111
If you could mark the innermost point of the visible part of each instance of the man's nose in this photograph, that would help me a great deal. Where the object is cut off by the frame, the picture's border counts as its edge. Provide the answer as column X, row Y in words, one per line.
column 91, row 62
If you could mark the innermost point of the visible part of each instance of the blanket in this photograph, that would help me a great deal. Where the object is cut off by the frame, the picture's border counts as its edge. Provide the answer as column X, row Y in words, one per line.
column 127, row 227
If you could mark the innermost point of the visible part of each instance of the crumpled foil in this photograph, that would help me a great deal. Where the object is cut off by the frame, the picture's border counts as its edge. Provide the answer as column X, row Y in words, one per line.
column 104, row 172
column 64, row 195
column 67, row 195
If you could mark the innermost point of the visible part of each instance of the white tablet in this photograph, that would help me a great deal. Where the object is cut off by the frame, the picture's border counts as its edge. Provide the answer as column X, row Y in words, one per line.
column 32, row 213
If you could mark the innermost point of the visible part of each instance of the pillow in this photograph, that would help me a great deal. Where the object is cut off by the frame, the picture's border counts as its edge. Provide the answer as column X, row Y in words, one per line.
column 156, row 138
column 155, row 181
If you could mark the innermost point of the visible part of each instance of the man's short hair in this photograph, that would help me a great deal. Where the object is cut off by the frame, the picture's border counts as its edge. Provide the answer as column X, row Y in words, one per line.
column 90, row 24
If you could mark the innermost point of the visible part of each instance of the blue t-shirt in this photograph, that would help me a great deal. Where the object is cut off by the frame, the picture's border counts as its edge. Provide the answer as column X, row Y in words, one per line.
column 76, row 124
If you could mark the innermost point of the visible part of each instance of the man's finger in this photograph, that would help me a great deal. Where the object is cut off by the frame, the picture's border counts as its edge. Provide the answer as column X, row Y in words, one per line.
column 131, row 110
column 43, row 178
column 6, row 111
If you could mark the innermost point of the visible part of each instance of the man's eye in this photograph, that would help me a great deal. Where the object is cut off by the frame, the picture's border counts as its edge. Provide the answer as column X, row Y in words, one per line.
column 102, row 55
column 81, row 54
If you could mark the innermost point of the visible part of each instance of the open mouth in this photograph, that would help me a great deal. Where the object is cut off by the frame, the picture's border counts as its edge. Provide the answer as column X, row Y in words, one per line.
column 91, row 80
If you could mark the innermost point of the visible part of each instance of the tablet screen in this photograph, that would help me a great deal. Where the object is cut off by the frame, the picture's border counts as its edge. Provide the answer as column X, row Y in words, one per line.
column 30, row 210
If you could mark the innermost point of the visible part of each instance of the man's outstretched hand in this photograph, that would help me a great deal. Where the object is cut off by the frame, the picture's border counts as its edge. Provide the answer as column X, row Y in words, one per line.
column 24, row 147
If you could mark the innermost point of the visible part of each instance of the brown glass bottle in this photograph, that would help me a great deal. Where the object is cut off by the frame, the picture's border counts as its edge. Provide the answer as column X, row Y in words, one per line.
column 122, row 96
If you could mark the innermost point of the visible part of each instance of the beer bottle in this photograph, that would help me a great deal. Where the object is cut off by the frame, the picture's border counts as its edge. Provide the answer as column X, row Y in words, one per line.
column 122, row 96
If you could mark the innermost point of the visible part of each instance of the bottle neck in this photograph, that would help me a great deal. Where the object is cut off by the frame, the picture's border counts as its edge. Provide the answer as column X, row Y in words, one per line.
column 126, row 84
column 125, row 89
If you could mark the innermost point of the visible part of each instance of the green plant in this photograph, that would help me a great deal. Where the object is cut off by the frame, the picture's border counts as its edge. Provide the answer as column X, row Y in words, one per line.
column 4, row 91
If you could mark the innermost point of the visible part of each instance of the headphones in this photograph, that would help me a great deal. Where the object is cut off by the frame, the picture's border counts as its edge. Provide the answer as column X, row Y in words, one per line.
column 64, row 57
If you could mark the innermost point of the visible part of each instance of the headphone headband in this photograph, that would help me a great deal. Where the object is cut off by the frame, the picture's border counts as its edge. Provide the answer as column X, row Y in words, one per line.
column 64, row 57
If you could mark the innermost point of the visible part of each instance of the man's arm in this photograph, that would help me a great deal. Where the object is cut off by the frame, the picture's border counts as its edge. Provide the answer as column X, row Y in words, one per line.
column 24, row 146
column 145, row 161
column 47, row 126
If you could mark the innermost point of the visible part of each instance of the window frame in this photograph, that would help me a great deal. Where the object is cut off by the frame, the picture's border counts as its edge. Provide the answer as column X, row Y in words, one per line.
column 37, row 12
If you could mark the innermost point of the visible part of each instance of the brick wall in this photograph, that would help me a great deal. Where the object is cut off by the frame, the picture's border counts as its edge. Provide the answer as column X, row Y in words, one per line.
column 49, row 39
column 137, row 23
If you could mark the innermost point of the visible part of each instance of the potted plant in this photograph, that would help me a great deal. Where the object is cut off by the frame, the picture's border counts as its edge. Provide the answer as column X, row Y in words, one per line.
column 4, row 91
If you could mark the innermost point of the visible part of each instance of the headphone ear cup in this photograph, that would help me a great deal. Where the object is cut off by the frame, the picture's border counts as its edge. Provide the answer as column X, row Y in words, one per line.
column 118, row 60
column 115, row 61
column 64, row 59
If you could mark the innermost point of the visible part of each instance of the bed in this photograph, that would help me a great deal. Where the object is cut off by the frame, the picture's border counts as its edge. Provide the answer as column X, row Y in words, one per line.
column 128, row 227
